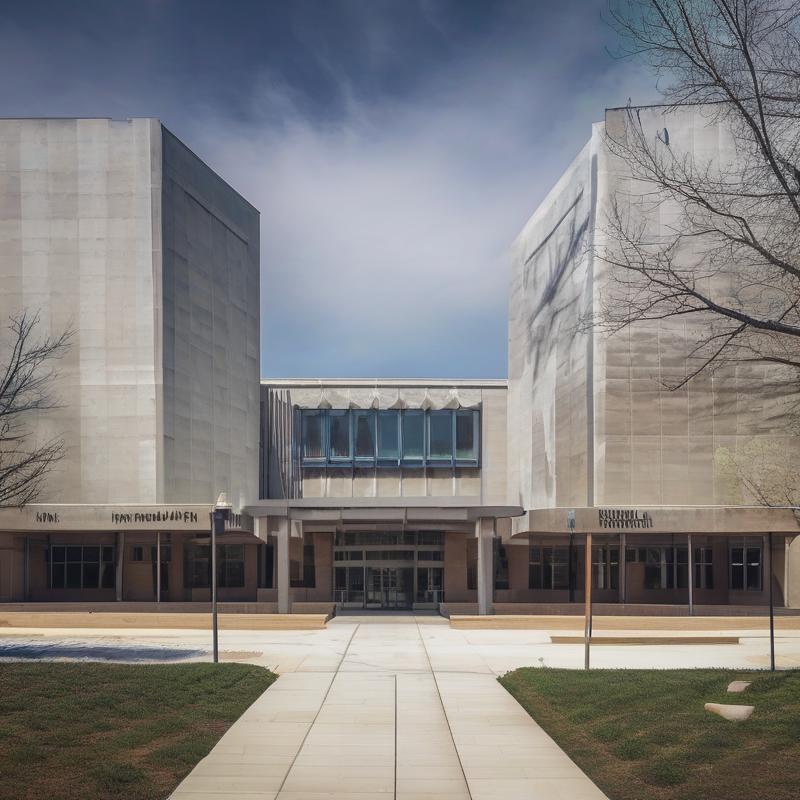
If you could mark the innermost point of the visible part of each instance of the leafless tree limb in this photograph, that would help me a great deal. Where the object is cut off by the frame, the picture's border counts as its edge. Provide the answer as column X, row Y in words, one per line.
column 26, row 380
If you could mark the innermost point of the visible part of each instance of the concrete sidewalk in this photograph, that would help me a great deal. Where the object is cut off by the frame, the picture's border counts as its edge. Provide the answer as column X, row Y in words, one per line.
column 400, row 712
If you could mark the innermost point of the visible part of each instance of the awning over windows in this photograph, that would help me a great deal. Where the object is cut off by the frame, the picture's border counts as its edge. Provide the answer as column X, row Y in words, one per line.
column 386, row 397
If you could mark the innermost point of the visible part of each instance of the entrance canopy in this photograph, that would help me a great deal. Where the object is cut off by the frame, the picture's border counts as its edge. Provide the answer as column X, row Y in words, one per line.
column 393, row 510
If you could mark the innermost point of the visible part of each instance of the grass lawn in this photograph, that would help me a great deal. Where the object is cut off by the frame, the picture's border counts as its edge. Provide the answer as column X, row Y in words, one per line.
column 97, row 731
column 643, row 734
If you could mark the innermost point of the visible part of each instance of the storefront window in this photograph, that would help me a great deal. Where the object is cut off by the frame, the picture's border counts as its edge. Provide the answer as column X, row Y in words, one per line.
column 82, row 567
column 548, row 567
column 197, row 566
column 703, row 568
column 745, row 561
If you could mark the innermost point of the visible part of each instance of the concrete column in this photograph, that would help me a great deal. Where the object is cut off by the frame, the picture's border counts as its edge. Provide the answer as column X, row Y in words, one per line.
column 484, row 531
column 282, row 559
column 623, row 568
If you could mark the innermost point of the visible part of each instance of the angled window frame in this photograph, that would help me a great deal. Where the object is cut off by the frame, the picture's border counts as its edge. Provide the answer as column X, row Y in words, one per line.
column 389, row 414
column 430, row 417
column 406, row 460
column 475, row 459
column 334, row 414
column 314, row 461
column 372, row 419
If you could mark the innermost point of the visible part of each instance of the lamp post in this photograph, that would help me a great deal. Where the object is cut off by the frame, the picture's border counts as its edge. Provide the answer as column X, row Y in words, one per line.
column 219, row 516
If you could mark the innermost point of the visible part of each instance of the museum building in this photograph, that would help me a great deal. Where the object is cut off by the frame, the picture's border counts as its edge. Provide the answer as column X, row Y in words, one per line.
column 466, row 496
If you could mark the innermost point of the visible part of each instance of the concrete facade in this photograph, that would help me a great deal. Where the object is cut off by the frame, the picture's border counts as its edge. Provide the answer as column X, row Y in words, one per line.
column 114, row 229
column 117, row 230
column 595, row 422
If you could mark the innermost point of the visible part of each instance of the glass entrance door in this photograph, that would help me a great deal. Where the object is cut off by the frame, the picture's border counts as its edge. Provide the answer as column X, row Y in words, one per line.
column 390, row 587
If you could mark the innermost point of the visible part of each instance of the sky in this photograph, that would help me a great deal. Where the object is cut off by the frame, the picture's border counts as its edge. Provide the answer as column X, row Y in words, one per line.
column 395, row 148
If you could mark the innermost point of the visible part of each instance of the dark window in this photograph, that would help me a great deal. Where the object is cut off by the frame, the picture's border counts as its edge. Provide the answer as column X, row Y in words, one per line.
column 666, row 567
column 197, row 566
column 467, row 436
column 605, row 567
column 266, row 566
column 500, row 565
column 746, row 567
column 82, row 567
column 703, row 568
column 309, row 570
column 548, row 567
column 137, row 553
column 430, row 555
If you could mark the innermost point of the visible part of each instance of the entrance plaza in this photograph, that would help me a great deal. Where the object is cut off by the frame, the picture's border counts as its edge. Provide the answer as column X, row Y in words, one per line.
column 397, row 705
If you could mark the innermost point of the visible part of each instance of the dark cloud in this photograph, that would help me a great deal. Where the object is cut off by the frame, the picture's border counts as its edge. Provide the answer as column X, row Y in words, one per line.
column 394, row 148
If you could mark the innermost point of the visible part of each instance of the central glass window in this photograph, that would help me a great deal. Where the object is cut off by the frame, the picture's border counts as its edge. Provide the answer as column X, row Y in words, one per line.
column 390, row 438
column 339, row 426
column 414, row 438
column 440, row 436
column 364, row 423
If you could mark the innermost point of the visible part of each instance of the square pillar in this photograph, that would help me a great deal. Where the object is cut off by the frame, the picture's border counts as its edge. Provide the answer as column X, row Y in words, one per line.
column 484, row 531
column 282, row 565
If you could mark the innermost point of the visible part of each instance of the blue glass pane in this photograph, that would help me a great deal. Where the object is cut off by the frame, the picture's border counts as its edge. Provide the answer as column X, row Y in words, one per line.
column 365, row 435
column 388, row 435
column 466, row 436
column 312, row 443
column 440, row 436
column 413, row 435
column 339, row 434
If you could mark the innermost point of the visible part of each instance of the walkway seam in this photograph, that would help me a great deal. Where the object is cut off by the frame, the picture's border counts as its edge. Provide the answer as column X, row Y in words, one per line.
column 319, row 710
column 444, row 710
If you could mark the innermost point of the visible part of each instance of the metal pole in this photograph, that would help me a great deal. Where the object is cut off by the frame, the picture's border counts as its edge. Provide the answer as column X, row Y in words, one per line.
column 587, row 631
column 771, row 611
column 214, row 586
column 690, row 567
column 158, row 566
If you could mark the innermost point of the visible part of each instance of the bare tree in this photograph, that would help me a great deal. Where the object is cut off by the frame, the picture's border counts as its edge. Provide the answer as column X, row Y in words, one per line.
column 728, row 258
column 26, row 378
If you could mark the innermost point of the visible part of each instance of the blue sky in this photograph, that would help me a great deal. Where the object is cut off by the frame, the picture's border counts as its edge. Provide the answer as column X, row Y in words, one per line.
column 394, row 148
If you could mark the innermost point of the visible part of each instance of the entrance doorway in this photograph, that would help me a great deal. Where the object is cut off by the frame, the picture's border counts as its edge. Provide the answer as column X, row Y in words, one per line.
column 388, row 569
column 390, row 587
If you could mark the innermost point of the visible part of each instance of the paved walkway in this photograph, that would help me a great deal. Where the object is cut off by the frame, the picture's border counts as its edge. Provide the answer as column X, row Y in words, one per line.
column 387, row 710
